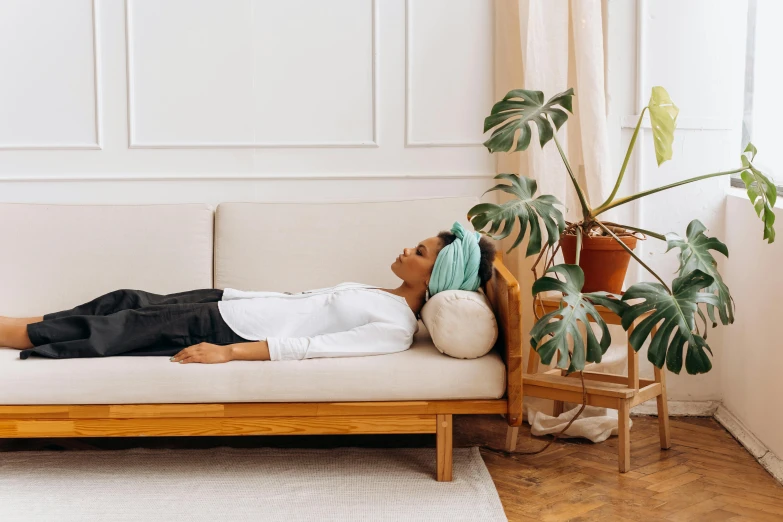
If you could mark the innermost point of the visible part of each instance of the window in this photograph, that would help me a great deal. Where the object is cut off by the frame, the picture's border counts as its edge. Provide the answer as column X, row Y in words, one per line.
column 762, row 121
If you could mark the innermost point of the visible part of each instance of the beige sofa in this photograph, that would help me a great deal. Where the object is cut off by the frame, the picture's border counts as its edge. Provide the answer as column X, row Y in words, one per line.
column 58, row 256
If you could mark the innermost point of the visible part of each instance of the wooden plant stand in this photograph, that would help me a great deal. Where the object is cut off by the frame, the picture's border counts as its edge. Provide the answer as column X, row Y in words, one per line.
column 603, row 390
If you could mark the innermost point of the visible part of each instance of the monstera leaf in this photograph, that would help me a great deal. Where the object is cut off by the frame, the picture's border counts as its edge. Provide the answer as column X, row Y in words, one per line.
column 676, row 314
column 663, row 118
column 761, row 191
column 520, row 109
column 575, row 307
column 526, row 209
column 695, row 255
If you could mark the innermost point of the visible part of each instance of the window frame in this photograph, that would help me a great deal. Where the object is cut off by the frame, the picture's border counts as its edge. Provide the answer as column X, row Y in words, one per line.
column 747, row 114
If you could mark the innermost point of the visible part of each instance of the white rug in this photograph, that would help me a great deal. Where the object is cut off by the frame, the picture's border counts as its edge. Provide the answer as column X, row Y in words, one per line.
column 234, row 484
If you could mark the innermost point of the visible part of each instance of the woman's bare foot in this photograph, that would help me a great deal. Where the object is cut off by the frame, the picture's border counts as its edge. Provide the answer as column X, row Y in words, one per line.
column 14, row 336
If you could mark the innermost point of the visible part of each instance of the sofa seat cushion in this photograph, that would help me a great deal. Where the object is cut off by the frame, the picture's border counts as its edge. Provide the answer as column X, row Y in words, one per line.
column 419, row 373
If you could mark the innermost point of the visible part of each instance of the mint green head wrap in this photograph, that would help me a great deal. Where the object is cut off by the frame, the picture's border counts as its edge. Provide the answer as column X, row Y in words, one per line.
column 457, row 264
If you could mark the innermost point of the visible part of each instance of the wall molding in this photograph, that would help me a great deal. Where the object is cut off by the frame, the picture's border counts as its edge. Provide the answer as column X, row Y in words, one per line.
column 408, row 88
column 97, row 96
column 133, row 144
column 226, row 177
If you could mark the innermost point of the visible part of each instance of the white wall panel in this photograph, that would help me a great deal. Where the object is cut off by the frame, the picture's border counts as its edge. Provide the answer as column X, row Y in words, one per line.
column 314, row 79
column 190, row 73
column 449, row 71
column 211, row 73
column 48, row 94
column 752, row 359
column 233, row 100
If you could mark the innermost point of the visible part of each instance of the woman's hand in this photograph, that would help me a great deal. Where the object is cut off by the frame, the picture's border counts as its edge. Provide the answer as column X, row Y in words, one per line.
column 204, row 353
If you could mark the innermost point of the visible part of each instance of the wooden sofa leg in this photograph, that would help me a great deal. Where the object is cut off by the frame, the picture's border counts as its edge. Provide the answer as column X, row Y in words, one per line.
column 443, row 445
column 511, row 438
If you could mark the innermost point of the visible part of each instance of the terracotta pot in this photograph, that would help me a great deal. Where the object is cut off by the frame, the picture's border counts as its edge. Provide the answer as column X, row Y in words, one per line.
column 603, row 261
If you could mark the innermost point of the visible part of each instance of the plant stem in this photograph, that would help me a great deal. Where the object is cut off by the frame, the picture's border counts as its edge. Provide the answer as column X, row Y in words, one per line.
column 578, row 244
column 635, row 256
column 628, row 199
column 650, row 233
column 625, row 161
column 586, row 210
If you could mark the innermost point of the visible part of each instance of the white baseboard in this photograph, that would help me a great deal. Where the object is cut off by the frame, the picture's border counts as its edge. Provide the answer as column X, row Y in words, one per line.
column 755, row 447
column 771, row 462
column 679, row 408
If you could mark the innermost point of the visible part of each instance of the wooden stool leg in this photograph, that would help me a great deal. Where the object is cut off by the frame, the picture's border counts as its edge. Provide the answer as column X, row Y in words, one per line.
column 532, row 361
column 443, row 447
column 511, row 438
column 633, row 362
column 663, row 409
column 559, row 406
column 624, row 435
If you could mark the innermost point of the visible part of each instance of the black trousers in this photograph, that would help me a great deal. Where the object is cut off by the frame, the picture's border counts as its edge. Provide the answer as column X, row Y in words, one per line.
column 132, row 322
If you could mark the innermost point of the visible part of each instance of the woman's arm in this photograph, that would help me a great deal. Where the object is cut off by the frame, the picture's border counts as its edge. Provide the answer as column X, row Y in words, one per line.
column 374, row 338
column 254, row 351
column 214, row 353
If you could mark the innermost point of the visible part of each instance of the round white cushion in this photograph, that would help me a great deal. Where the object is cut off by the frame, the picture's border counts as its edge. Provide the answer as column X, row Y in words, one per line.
column 461, row 323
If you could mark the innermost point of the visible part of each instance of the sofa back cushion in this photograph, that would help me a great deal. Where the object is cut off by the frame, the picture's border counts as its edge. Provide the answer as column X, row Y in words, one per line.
column 58, row 256
column 291, row 247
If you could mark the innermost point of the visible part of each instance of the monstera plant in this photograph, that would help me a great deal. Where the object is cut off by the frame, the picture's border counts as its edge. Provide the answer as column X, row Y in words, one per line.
column 675, row 318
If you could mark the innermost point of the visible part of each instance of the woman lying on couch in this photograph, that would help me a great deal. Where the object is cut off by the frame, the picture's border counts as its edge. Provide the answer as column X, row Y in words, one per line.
column 214, row 326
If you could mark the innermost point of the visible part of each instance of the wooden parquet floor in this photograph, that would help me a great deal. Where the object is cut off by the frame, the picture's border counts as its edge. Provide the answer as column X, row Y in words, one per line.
column 705, row 476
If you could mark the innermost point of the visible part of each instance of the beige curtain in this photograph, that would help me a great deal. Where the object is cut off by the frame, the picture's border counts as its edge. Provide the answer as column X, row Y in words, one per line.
column 551, row 45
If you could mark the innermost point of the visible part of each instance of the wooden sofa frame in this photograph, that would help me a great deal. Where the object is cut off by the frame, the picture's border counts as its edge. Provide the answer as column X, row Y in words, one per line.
column 302, row 418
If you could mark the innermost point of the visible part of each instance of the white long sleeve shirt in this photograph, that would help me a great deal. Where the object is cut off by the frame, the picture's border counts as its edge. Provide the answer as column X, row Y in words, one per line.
column 349, row 319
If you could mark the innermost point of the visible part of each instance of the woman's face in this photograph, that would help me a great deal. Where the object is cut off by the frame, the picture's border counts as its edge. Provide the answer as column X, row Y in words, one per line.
column 414, row 265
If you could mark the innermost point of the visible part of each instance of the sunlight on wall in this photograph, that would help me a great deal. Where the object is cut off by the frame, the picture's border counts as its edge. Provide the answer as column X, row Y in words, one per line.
column 766, row 132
